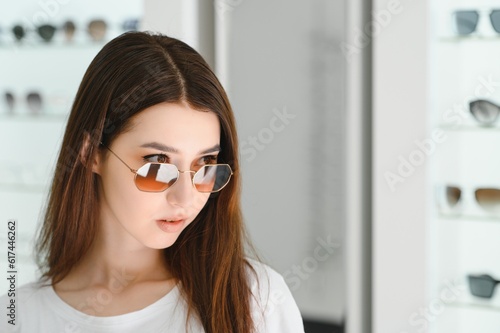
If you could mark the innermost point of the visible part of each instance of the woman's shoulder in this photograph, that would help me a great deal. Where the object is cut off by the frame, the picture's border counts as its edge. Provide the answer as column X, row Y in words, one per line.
column 23, row 292
column 25, row 295
column 264, row 280
column 273, row 306
column 22, row 301
column 262, row 276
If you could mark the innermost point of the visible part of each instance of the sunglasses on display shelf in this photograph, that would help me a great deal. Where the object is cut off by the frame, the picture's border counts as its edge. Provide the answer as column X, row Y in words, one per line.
column 96, row 29
column 33, row 99
column 131, row 24
column 482, row 285
column 485, row 112
column 450, row 197
column 157, row 177
column 69, row 30
column 466, row 21
column 45, row 32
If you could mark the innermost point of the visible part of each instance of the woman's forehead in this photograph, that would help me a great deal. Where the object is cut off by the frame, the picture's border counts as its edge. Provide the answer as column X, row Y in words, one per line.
column 175, row 127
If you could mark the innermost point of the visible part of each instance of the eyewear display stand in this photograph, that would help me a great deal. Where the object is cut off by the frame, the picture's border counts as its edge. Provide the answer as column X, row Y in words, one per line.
column 465, row 184
column 41, row 70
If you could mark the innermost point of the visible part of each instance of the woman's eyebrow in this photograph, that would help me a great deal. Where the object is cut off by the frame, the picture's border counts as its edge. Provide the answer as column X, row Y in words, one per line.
column 215, row 148
column 169, row 149
column 160, row 146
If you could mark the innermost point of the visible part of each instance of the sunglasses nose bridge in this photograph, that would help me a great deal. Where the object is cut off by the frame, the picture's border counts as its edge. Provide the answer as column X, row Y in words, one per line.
column 190, row 174
column 182, row 191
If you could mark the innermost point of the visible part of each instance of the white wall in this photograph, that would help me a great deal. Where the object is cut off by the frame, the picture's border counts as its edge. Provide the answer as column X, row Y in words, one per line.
column 400, row 77
column 283, row 56
column 189, row 20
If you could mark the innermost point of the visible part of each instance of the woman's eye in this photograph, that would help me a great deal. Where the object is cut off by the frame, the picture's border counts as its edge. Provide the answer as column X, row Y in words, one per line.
column 211, row 159
column 156, row 158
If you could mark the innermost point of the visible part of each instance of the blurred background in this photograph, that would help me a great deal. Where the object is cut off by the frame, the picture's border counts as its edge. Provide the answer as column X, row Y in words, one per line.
column 369, row 178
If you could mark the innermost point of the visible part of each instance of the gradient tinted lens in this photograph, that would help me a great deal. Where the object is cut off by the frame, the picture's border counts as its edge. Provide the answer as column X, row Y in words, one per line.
column 466, row 21
column 212, row 178
column 495, row 20
column 489, row 199
column 482, row 285
column 34, row 102
column 131, row 25
column 97, row 29
column 69, row 30
column 18, row 32
column 9, row 99
column 453, row 195
column 156, row 177
column 46, row 31
column 484, row 111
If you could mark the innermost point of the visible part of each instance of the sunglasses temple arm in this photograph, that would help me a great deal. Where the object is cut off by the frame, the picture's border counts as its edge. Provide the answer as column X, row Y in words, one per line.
column 118, row 157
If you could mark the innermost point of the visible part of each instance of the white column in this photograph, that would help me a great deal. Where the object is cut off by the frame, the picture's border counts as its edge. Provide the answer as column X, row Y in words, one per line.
column 400, row 175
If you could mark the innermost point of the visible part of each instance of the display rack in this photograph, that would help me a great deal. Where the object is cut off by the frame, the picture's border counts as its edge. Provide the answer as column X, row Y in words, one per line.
column 31, row 130
column 464, row 234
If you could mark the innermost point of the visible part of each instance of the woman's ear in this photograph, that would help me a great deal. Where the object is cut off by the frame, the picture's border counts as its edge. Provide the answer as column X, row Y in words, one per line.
column 87, row 151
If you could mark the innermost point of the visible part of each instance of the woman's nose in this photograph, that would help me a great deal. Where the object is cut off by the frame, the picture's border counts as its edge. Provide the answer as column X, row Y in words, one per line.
column 182, row 192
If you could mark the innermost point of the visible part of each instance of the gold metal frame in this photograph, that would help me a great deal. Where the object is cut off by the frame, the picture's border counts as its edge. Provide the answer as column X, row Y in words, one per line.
column 134, row 171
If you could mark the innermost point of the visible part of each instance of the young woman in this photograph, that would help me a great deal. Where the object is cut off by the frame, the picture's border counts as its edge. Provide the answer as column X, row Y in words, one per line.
column 143, row 230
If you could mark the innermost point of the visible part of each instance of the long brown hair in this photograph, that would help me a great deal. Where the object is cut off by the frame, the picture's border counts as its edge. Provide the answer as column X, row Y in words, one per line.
column 131, row 73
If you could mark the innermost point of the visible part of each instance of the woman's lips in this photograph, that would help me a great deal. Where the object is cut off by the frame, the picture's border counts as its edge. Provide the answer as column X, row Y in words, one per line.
column 171, row 226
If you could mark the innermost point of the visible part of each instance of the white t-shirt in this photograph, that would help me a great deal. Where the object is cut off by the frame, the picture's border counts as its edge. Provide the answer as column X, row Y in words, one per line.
column 39, row 309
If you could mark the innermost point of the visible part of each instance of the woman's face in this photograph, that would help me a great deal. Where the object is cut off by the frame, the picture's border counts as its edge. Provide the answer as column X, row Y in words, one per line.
column 166, row 133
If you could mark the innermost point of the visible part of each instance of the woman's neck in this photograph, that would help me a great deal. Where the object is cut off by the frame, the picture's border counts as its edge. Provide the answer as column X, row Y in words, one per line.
column 110, row 282
column 108, row 265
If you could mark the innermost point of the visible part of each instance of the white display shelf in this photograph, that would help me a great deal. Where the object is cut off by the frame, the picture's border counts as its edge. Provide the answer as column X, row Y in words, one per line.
column 471, row 38
column 25, row 117
column 466, row 319
column 464, row 245
column 29, row 188
column 50, row 46
column 468, row 218
column 31, row 142
column 475, row 306
column 469, row 128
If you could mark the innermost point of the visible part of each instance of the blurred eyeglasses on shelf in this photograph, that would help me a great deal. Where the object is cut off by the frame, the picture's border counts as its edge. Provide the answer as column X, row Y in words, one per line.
column 482, row 285
column 45, row 32
column 68, row 28
column 485, row 112
column 131, row 24
column 33, row 100
column 466, row 21
column 95, row 29
column 452, row 200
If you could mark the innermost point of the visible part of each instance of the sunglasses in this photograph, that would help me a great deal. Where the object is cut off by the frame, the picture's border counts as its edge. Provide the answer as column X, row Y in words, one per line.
column 96, row 29
column 485, row 112
column 45, row 32
column 157, row 177
column 466, row 21
column 487, row 198
column 482, row 285
column 33, row 99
